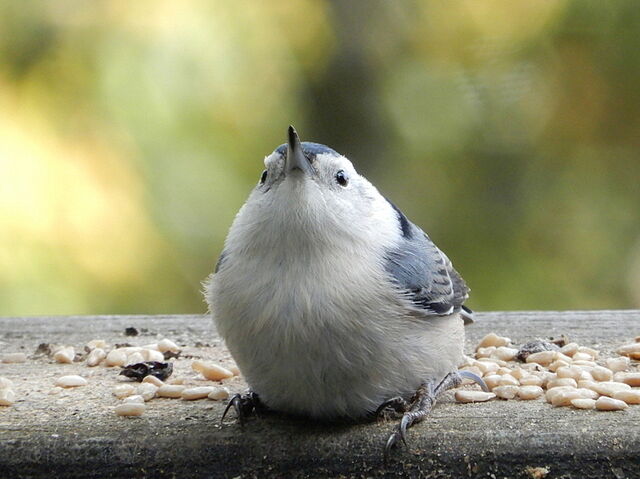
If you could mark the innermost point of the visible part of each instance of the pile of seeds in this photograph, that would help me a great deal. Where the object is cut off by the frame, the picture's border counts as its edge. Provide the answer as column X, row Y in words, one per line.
column 147, row 362
column 571, row 375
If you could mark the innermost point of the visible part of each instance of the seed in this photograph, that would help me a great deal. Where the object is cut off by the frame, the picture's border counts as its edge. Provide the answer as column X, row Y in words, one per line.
column 583, row 403
column 235, row 370
column 584, row 364
column 7, row 397
column 124, row 390
column 465, row 395
column 65, row 355
column 152, row 355
column 116, row 357
column 55, row 390
column 554, row 383
column 609, row 388
column 95, row 356
column 618, row 364
column 492, row 380
column 529, row 392
column 554, row 366
column 572, row 372
column 546, row 376
column 629, row 396
column 497, row 361
column 170, row 391
column 551, row 393
column 215, row 372
column 543, row 357
column 506, row 392
column 582, row 357
column 136, row 398
column 492, row 339
column 199, row 392
column 594, row 353
column 629, row 349
column 96, row 344
column 632, row 379
column 563, row 357
column 14, row 358
column 588, row 393
column 587, row 384
column 520, row 373
column 71, row 381
column 219, row 393
column 487, row 367
column 505, row 353
column 147, row 391
column 130, row 409
column 5, row 383
column 168, row 345
column 600, row 373
column 153, row 380
column 585, row 376
column 485, row 352
column 569, row 349
column 466, row 361
column 508, row 380
column 565, row 397
column 605, row 403
column 502, row 371
column 531, row 367
column 531, row 381
column 134, row 358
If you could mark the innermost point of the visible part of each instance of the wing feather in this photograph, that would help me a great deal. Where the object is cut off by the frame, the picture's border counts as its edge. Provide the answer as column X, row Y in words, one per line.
column 425, row 274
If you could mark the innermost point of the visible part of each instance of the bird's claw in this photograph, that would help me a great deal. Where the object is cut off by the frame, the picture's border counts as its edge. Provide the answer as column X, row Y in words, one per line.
column 399, row 434
column 391, row 442
column 405, row 422
column 464, row 374
column 243, row 404
column 397, row 405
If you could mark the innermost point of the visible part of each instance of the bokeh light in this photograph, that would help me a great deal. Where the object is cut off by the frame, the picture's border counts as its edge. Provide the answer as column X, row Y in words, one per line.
column 132, row 132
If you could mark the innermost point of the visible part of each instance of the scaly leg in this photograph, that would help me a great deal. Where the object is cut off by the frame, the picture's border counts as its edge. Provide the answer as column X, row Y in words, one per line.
column 423, row 401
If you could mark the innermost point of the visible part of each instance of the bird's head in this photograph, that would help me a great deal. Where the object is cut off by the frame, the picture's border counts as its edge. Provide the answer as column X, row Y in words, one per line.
column 308, row 189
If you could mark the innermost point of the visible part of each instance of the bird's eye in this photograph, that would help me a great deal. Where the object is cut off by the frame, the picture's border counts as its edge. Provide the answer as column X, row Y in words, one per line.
column 263, row 178
column 341, row 178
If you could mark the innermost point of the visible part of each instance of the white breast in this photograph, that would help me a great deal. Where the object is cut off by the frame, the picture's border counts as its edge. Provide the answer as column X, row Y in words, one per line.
column 323, row 333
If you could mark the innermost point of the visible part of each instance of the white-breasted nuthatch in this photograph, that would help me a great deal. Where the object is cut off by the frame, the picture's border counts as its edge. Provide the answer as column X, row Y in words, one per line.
column 331, row 301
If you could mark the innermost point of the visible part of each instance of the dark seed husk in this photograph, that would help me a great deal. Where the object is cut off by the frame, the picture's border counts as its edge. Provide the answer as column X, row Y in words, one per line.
column 139, row 371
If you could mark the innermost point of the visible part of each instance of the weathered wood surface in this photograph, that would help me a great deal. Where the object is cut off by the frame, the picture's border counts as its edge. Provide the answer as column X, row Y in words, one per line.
column 76, row 434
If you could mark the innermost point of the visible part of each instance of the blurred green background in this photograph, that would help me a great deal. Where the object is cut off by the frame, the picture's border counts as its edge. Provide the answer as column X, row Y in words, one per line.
column 132, row 131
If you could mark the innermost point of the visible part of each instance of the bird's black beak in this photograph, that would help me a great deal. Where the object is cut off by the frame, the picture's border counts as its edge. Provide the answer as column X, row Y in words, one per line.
column 296, row 159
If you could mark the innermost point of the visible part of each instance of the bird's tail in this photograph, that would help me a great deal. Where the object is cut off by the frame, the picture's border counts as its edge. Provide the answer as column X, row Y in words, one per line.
column 467, row 315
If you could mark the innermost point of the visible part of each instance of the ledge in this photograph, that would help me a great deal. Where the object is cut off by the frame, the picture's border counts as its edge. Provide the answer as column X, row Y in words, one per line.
column 76, row 433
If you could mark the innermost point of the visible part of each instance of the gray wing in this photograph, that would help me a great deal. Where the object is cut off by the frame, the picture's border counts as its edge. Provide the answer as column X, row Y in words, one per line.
column 425, row 274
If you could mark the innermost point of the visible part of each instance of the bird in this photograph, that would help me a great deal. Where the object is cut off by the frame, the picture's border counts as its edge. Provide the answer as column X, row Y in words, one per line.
column 332, row 303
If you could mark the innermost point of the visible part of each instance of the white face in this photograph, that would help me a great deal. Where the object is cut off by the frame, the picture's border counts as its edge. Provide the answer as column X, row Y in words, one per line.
column 332, row 201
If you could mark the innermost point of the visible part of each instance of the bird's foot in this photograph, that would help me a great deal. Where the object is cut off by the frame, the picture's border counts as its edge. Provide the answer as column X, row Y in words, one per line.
column 392, row 408
column 244, row 405
column 422, row 402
